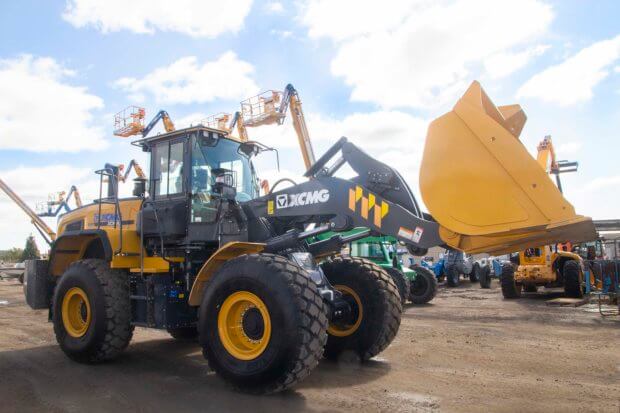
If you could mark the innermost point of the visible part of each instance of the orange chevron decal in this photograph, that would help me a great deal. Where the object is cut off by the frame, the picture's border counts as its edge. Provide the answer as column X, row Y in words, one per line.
column 368, row 205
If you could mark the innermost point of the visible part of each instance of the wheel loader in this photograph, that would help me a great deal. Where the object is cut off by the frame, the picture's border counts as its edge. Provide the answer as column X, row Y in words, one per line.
column 198, row 252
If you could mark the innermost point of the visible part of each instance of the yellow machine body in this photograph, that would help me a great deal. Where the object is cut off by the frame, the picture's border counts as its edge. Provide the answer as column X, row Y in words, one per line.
column 538, row 265
column 483, row 187
column 78, row 229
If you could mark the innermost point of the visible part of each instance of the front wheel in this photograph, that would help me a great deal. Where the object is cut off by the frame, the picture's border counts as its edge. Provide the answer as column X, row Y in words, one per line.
column 510, row 289
column 375, row 304
column 423, row 287
column 262, row 323
column 92, row 311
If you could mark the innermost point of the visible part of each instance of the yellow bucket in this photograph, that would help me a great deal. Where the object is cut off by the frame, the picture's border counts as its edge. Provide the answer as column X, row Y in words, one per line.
column 483, row 187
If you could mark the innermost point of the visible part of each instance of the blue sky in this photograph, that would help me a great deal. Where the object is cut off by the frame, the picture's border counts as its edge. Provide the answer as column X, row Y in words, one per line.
column 376, row 72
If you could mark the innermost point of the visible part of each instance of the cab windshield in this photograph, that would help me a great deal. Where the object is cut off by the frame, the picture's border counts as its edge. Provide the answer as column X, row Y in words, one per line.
column 209, row 154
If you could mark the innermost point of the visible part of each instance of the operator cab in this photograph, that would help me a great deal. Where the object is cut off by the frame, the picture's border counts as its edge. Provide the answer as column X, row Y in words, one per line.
column 198, row 175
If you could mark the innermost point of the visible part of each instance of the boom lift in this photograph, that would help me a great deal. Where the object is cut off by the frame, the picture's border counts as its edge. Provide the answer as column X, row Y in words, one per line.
column 130, row 122
column 269, row 108
column 548, row 266
column 61, row 202
column 202, row 254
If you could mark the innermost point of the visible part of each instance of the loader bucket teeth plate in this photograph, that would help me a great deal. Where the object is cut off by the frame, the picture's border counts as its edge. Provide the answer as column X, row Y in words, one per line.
column 484, row 188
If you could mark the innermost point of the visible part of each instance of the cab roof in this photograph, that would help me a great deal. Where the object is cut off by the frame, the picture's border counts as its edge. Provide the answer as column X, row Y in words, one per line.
column 150, row 140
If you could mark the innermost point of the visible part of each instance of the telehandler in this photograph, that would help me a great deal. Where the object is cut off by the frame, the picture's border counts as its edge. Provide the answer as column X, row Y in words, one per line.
column 199, row 252
column 549, row 265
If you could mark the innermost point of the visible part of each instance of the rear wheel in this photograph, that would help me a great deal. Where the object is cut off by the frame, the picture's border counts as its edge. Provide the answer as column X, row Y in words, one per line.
column 510, row 289
column 572, row 279
column 485, row 277
column 474, row 275
column 376, row 308
column 262, row 323
column 92, row 311
column 423, row 287
column 402, row 283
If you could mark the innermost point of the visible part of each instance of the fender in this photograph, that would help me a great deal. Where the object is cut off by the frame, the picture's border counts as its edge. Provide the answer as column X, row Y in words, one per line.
column 229, row 251
column 71, row 246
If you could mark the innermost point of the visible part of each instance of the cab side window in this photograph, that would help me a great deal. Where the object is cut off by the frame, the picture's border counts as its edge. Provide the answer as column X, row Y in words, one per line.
column 168, row 169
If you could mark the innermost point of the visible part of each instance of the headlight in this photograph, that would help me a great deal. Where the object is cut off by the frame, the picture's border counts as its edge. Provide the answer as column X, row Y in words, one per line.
column 304, row 259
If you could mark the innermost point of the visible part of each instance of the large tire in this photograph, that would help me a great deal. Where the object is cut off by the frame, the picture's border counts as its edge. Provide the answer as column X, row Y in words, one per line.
column 572, row 279
column 452, row 276
column 474, row 275
column 485, row 277
column 92, row 311
column 402, row 283
column 282, row 319
column 424, row 287
column 510, row 289
column 376, row 323
column 183, row 333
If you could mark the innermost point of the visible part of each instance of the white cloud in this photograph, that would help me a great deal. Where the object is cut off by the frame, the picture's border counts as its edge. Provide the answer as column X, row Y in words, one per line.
column 420, row 53
column 197, row 18
column 40, row 111
column 504, row 63
column 285, row 34
column 603, row 182
column 380, row 129
column 188, row 81
column 393, row 137
column 573, row 80
column 274, row 7
column 568, row 148
column 192, row 119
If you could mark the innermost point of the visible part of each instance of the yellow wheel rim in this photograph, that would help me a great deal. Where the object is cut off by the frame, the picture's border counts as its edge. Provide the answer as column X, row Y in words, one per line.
column 76, row 314
column 343, row 330
column 244, row 325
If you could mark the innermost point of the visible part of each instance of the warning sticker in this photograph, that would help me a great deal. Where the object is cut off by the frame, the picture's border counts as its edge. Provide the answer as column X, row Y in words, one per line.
column 405, row 233
column 417, row 235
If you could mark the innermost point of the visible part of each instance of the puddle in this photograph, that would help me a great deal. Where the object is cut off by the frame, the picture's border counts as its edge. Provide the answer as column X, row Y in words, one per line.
column 4, row 302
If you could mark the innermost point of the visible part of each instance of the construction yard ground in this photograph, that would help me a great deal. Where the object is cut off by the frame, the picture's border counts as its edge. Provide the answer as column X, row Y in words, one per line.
column 467, row 351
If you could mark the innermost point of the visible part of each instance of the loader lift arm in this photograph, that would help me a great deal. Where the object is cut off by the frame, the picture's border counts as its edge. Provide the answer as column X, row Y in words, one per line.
column 529, row 209
column 46, row 232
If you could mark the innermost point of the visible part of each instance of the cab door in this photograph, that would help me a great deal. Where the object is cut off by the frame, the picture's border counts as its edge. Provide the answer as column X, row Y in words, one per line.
column 169, row 186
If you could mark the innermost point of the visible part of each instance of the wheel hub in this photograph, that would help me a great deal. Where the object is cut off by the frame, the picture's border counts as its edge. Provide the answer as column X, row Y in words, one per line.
column 348, row 326
column 253, row 323
column 76, row 313
column 244, row 325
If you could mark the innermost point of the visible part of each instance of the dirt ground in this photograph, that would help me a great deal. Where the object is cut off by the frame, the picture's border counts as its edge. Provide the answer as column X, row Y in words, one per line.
column 468, row 351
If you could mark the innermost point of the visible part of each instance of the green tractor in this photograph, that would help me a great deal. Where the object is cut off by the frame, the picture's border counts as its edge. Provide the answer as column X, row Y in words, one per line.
column 416, row 283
